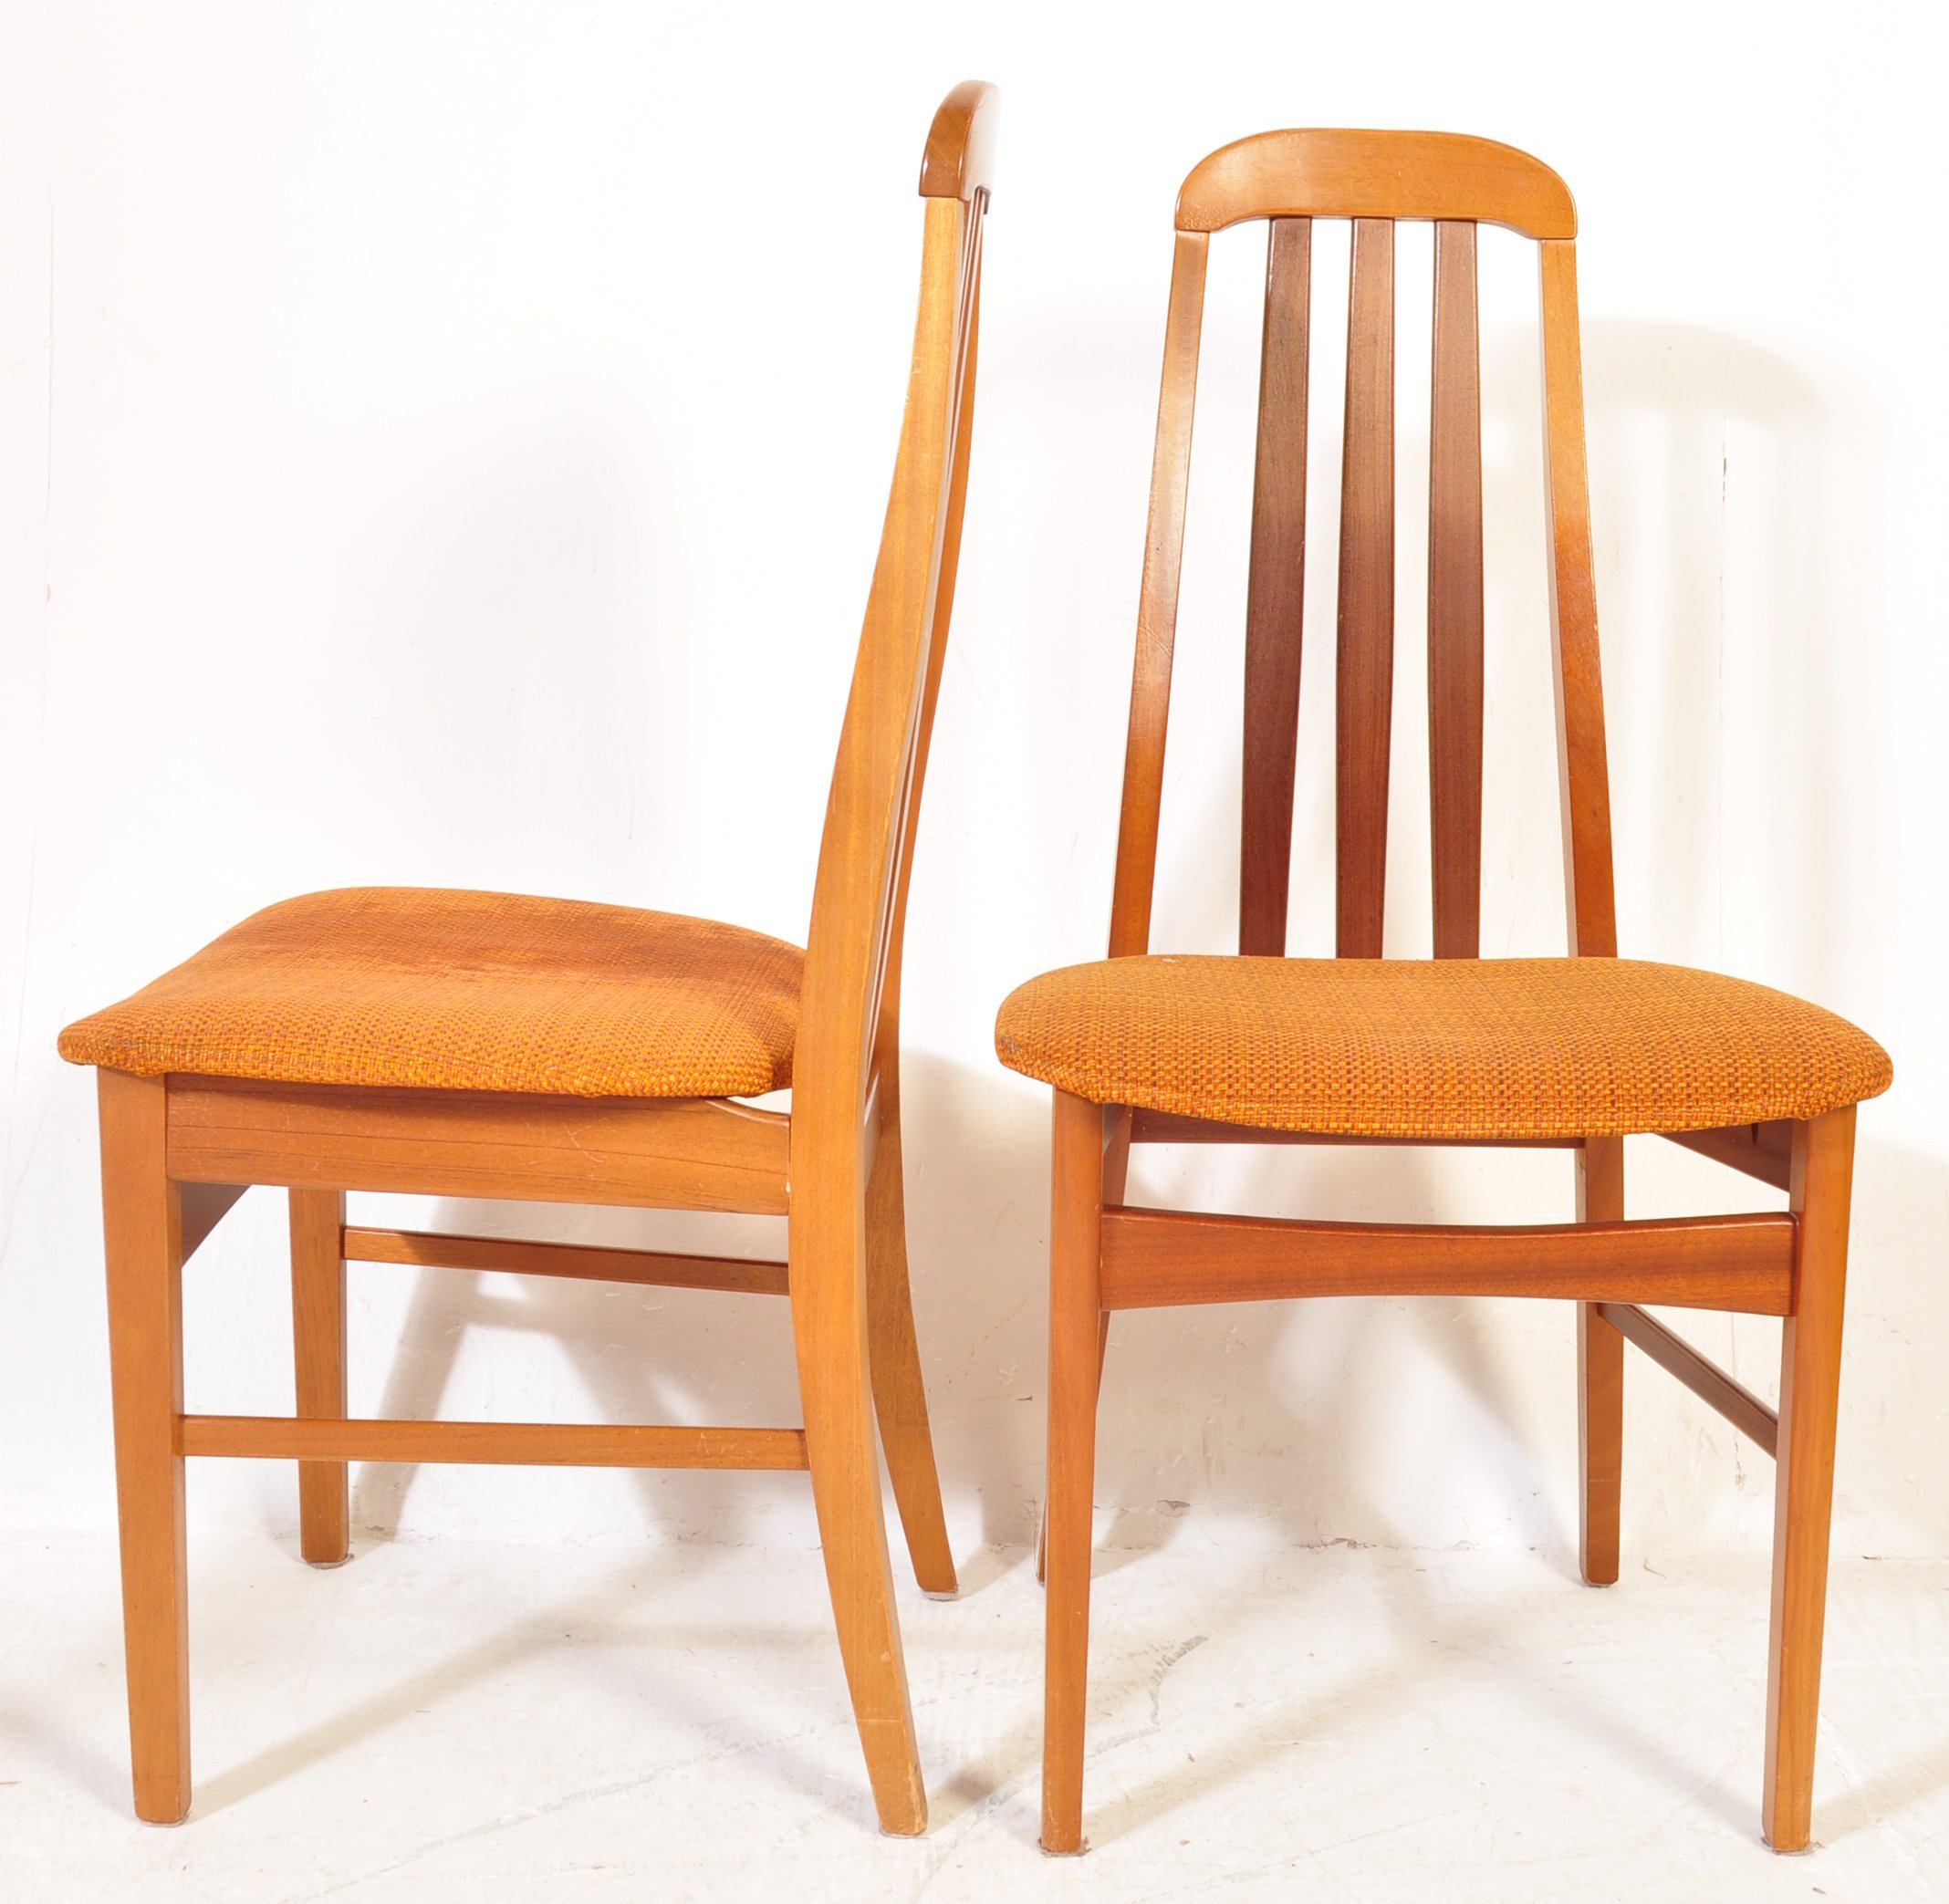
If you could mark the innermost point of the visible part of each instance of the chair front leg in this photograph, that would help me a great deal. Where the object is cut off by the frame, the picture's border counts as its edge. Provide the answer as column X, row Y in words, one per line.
column 1076, row 1234
column 318, row 1333
column 1599, row 1379
column 1042, row 1525
column 829, row 1309
column 1822, row 1188
column 900, row 1396
column 141, row 1215
column 1116, row 1179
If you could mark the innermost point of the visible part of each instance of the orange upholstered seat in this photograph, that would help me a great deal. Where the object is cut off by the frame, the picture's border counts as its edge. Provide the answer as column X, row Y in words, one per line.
column 1438, row 1049
column 467, row 991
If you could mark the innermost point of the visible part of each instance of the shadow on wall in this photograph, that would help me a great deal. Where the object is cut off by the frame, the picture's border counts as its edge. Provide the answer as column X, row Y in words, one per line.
column 1275, row 1411
column 638, row 1356
column 1723, row 647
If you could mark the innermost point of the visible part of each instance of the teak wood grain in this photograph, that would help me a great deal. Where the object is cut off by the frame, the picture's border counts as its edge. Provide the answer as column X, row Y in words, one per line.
column 1075, row 1371
column 659, row 1269
column 1157, row 604
column 178, row 1150
column 1803, row 1495
column 1157, row 1257
column 1364, row 676
column 1366, row 611
column 560, row 1444
column 681, row 1153
column 1106, row 1256
column 1335, row 172
column 1711, row 1385
column 317, row 1333
column 203, row 1206
column 141, row 1221
column 1276, row 592
column 1584, row 773
column 1455, row 599
column 853, row 941
column 1600, row 1381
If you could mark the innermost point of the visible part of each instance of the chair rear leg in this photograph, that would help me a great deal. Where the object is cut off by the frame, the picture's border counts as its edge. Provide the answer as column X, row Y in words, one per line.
column 900, row 1396
column 142, row 1234
column 1074, row 1368
column 830, row 1332
column 1599, row 1379
column 317, row 1331
column 1823, row 1170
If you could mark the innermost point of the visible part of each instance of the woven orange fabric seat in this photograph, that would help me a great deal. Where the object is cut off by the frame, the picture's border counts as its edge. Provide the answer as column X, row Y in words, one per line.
column 1439, row 1048
column 467, row 991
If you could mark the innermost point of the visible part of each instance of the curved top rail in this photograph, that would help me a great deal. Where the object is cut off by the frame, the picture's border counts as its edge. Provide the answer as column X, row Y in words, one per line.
column 1334, row 173
column 959, row 160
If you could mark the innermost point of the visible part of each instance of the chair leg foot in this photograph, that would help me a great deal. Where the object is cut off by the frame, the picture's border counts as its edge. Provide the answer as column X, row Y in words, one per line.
column 318, row 1333
column 1823, row 1163
column 142, row 1233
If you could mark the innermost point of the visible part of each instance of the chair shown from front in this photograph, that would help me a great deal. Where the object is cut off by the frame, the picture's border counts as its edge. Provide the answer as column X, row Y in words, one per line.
column 1568, row 1051
column 485, row 1045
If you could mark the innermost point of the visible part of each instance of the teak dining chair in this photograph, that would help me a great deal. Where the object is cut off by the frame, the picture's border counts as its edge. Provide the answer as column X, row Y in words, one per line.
column 484, row 1044
column 1571, row 1052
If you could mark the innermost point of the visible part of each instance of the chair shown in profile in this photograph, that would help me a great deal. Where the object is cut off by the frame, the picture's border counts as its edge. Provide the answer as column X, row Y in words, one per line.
column 485, row 1045
column 1568, row 1051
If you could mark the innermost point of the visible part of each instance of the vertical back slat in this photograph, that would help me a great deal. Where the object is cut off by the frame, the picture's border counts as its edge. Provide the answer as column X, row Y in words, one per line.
column 1585, row 774
column 1275, row 593
column 1455, row 599
column 1365, row 684
column 1163, row 555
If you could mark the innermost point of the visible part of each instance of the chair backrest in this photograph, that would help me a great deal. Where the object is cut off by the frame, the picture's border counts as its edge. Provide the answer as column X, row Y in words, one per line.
column 1373, row 178
column 849, row 1004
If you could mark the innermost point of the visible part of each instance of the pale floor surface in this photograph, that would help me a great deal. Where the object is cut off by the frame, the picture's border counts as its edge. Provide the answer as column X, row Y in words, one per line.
column 524, row 1722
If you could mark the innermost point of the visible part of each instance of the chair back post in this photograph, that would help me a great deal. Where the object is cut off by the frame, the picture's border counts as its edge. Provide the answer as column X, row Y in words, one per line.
column 849, row 1009
column 1373, row 180
column 1583, row 767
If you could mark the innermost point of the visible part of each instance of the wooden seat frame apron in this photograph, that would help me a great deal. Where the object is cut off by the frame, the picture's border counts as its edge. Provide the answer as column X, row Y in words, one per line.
column 178, row 1150
column 1108, row 1255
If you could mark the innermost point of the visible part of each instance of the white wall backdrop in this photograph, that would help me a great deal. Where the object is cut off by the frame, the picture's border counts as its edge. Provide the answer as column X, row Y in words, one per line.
column 445, row 445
